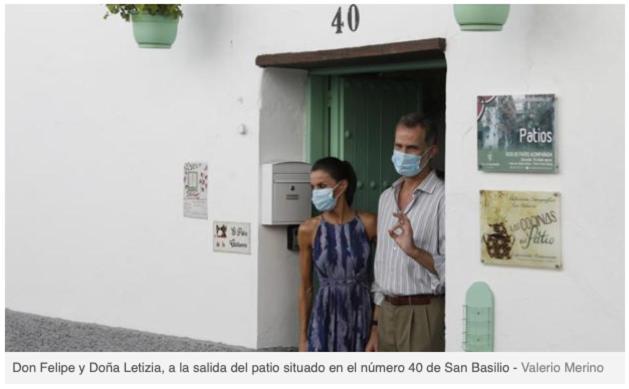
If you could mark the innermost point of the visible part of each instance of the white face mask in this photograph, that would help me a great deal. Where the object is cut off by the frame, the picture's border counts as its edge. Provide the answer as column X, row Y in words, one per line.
column 323, row 198
column 407, row 165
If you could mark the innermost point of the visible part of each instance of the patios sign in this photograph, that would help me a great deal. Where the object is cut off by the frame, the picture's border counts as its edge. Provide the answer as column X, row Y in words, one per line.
column 516, row 133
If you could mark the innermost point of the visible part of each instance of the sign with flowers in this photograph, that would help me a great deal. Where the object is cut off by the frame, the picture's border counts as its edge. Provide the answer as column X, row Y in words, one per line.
column 195, row 190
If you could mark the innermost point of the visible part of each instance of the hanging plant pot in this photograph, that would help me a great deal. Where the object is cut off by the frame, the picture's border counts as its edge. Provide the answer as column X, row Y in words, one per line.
column 154, row 31
column 481, row 17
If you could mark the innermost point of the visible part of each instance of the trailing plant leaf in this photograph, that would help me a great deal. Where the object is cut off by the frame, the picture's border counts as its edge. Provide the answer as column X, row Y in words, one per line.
column 126, row 10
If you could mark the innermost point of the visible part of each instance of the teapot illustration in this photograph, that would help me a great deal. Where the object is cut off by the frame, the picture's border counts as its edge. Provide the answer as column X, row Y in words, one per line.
column 499, row 243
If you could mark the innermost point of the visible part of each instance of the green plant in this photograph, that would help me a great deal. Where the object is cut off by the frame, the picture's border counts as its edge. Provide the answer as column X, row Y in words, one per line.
column 126, row 10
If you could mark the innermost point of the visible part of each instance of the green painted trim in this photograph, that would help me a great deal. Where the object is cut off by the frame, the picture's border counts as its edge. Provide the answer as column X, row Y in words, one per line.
column 336, row 117
column 309, row 127
column 316, row 142
column 415, row 65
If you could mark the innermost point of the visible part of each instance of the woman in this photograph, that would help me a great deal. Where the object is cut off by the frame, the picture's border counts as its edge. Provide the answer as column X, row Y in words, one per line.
column 335, row 246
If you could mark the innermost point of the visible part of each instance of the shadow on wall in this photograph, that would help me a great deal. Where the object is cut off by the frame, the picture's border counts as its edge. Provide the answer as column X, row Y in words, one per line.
column 282, row 114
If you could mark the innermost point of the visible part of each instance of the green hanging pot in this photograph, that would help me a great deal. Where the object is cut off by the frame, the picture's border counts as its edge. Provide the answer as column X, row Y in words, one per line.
column 481, row 17
column 154, row 31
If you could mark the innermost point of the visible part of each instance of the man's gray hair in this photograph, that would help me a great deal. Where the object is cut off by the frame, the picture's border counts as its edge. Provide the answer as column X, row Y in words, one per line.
column 416, row 119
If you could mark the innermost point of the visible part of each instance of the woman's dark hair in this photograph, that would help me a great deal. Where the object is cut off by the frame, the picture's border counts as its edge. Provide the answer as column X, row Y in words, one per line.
column 339, row 170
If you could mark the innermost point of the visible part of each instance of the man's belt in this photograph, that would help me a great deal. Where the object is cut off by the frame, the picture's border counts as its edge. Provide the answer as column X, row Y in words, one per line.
column 416, row 299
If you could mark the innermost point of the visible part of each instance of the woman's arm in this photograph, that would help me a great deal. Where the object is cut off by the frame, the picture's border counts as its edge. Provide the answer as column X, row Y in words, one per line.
column 304, row 237
column 370, row 220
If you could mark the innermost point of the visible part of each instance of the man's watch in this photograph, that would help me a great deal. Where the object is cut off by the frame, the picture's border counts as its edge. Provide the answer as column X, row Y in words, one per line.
column 374, row 323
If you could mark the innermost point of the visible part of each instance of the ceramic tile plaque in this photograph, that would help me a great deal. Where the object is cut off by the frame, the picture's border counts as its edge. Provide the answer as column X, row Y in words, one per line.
column 520, row 228
column 516, row 134
column 195, row 190
column 232, row 237
column 478, row 314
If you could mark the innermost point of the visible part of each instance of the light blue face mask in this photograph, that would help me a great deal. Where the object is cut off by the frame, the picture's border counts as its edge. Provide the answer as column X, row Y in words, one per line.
column 323, row 198
column 407, row 165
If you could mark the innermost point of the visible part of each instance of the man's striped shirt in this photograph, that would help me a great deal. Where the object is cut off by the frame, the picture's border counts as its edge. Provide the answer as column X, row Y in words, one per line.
column 395, row 273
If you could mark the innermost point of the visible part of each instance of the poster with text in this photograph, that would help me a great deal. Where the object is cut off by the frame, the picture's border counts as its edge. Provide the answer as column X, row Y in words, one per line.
column 195, row 190
column 232, row 237
column 520, row 228
column 516, row 133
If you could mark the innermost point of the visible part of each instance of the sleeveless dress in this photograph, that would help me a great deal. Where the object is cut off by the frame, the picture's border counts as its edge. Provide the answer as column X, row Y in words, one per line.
column 340, row 319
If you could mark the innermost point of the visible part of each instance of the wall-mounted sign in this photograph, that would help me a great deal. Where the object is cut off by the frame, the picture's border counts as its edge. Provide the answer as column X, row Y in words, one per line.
column 195, row 190
column 232, row 237
column 520, row 228
column 516, row 133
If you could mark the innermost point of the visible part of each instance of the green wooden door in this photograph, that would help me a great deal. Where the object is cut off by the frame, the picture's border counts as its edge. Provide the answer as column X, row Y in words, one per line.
column 353, row 118
column 369, row 110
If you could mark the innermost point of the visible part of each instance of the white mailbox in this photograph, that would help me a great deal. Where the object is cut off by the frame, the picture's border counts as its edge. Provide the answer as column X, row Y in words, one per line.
column 285, row 193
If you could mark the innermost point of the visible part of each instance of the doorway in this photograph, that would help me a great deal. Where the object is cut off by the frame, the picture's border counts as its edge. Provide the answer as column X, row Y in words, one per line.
column 352, row 116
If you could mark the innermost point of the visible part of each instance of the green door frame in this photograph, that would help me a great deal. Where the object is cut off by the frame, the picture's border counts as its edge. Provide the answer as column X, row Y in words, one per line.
column 317, row 141
column 323, row 123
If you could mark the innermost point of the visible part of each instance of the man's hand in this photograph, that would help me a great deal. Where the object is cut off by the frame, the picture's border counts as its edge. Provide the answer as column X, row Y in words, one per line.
column 372, row 344
column 303, row 345
column 402, row 234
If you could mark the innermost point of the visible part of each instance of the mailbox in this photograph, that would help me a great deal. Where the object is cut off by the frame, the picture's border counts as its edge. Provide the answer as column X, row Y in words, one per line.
column 285, row 193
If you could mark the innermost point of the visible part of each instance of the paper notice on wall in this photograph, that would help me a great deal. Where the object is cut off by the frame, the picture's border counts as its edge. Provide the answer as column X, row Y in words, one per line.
column 195, row 190
column 232, row 237
column 520, row 228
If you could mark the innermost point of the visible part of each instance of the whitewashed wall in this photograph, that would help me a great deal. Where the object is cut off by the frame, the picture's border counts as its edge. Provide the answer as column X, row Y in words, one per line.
column 98, row 131
column 282, row 121
column 577, row 53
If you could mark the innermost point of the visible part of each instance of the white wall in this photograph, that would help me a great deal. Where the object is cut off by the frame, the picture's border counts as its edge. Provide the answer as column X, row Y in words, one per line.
column 97, row 135
column 98, row 131
column 575, row 52
column 282, row 123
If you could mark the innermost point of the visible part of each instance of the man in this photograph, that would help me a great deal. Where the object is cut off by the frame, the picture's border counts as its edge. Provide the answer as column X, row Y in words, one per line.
column 409, row 267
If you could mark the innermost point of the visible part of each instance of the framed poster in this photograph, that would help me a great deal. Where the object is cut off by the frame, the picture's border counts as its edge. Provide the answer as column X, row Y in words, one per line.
column 516, row 133
column 232, row 237
column 195, row 190
column 520, row 228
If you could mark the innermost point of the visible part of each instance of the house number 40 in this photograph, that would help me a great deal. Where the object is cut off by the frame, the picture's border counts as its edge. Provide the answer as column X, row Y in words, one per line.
column 353, row 19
